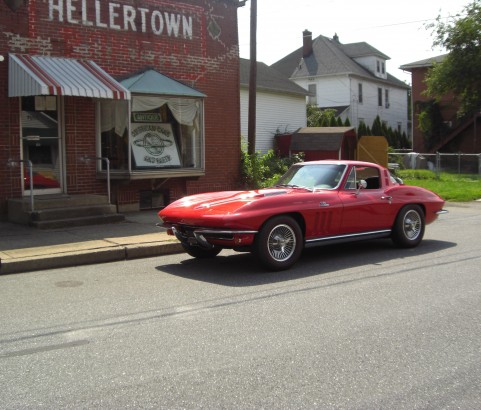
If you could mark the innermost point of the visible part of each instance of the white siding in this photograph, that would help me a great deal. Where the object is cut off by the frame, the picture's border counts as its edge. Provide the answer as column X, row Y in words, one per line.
column 275, row 113
column 331, row 91
column 342, row 90
column 396, row 113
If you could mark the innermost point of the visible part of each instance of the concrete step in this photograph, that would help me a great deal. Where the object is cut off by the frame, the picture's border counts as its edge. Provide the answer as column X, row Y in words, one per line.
column 79, row 221
column 57, row 201
column 63, row 211
column 53, row 214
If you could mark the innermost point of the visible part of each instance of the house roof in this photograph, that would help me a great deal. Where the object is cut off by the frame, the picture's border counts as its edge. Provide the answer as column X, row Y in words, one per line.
column 428, row 62
column 362, row 49
column 330, row 57
column 269, row 79
column 320, row 138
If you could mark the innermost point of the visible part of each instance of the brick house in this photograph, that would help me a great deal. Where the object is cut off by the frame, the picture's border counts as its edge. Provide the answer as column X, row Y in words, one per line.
column 452, row 134
column 145, row 93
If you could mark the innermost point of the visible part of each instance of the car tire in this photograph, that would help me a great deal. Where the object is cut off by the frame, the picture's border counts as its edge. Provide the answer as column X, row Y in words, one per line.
column 279, row 243
column 408, row 230
column 201, row 253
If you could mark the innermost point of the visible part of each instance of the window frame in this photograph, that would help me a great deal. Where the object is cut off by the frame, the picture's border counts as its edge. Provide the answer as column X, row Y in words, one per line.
column 133, row 173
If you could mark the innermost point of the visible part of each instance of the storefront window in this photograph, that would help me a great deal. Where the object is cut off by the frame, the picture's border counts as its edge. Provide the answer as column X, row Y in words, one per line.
column 114, row 133
column 165, row 133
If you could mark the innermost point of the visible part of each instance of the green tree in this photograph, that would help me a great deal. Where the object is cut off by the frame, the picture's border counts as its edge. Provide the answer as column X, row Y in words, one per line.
column 377, row 128
column 459, row 72
column 317, row 117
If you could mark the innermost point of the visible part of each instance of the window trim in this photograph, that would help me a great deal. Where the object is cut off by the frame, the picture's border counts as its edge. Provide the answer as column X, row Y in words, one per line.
column 150, row 173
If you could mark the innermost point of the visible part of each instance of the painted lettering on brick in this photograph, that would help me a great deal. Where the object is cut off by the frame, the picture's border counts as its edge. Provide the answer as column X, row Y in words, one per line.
column 116, row 16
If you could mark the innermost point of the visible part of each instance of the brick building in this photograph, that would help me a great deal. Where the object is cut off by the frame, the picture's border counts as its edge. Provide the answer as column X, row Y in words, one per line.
column 143, row 93
column 451, row 133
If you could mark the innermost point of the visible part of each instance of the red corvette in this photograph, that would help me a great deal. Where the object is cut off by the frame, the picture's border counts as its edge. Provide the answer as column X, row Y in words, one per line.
column 314, row 203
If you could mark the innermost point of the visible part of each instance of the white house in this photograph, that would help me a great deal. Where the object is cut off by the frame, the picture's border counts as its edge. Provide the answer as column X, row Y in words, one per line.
column 280, row 104
column 352, row 78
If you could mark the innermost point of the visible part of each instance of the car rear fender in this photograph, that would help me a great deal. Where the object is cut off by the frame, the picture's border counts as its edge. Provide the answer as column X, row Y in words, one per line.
column 421, row 205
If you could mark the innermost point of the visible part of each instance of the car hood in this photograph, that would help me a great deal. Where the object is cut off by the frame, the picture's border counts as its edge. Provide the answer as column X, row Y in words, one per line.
column 226, row 201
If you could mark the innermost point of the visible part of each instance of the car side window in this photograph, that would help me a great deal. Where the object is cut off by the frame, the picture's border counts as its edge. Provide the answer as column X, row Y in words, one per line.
column 368, row 174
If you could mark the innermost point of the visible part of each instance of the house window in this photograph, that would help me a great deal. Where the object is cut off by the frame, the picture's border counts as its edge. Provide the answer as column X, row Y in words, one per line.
column 379, row 97
column 386, row 98
column 383, row 67
column 377, row 66
column 399, row 126
column 359, row 93
column 164, row 133
column 312, row 98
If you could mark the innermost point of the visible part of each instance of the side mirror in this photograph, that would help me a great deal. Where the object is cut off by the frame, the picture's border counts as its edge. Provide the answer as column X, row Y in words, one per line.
column 362, row 184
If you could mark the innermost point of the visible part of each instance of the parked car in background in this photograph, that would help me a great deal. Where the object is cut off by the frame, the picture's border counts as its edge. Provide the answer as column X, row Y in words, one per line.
column 314, row 203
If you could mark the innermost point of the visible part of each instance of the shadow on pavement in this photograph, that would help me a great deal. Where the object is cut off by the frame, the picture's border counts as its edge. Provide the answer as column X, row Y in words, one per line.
column 238, row 270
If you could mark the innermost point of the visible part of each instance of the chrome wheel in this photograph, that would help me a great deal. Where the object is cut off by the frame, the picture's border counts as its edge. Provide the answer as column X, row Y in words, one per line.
column 281, row 242
column 408, row 230
column 412, row 225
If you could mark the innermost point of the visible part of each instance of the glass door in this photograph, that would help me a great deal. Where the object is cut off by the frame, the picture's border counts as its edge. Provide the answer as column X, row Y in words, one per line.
column 41, row 145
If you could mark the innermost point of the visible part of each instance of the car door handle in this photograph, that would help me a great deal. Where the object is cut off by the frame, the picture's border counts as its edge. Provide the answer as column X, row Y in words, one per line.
column 389, row 198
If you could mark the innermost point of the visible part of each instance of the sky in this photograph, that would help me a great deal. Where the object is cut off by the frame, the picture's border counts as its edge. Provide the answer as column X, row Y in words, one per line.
column 396, row 28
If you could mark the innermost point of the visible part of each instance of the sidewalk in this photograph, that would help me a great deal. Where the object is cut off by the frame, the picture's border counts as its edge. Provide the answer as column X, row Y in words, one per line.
column 24, row 249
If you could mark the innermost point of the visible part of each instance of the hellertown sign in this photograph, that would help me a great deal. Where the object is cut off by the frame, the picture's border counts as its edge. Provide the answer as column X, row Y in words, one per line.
column 119, row 17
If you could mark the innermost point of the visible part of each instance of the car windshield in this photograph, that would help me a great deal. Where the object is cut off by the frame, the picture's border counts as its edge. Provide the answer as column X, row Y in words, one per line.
column 313, row 176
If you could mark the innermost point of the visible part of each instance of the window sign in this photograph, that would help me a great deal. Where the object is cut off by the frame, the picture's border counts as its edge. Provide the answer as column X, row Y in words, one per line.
column 154, row 145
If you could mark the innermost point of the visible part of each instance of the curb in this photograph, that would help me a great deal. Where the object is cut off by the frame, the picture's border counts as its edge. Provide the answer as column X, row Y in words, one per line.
column 88, row 257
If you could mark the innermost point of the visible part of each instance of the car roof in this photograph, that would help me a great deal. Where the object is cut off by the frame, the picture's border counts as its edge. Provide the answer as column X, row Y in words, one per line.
column 341, row 162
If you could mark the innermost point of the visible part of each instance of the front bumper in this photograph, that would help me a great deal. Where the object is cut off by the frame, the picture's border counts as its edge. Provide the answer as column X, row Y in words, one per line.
column 207, row 238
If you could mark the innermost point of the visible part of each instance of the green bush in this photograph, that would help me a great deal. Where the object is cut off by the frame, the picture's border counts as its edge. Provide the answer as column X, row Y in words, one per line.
column 263, row 170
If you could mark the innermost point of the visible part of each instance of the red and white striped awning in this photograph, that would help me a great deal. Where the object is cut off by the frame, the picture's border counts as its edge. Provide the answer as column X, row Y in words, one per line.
column 43, row 75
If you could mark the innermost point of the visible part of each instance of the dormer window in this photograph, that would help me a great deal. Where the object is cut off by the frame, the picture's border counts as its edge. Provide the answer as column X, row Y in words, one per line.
column 383, row 64
column 378, row 66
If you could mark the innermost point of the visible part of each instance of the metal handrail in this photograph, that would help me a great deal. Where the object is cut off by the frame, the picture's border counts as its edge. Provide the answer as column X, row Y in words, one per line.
column 14, row 162
column 86, row 158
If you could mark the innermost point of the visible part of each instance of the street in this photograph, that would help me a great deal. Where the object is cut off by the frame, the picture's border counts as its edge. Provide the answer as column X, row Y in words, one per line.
column 354, row 326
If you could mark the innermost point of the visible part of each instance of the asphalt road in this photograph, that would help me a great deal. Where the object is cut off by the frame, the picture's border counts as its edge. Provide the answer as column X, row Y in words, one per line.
column 364, row 326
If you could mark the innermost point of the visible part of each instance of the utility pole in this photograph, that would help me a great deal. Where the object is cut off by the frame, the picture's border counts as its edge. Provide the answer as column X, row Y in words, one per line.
column 251, row 127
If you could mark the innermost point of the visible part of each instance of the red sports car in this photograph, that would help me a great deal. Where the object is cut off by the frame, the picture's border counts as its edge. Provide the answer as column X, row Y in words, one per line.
column 314, row 203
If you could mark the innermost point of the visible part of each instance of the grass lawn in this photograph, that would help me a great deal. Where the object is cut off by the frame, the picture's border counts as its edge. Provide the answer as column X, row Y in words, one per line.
column 450, row 187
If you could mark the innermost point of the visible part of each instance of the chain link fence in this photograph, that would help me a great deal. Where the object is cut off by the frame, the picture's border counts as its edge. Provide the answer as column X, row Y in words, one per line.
column 439, row 162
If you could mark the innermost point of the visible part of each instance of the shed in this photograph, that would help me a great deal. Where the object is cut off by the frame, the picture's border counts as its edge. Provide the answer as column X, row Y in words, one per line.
column 322, row 143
